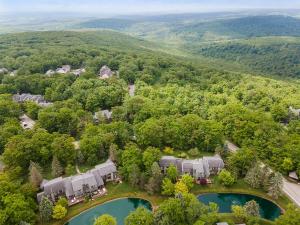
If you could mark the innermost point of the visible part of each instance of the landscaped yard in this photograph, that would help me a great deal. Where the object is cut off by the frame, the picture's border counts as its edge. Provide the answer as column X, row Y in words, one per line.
column 124, row 190
column 114, row 191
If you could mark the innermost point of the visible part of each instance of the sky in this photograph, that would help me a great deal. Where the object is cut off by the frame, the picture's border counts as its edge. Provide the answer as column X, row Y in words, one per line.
column 140, row 6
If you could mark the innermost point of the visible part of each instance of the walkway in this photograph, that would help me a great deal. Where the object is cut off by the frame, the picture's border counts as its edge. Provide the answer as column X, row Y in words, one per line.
column 131, row 88
column 292, row 190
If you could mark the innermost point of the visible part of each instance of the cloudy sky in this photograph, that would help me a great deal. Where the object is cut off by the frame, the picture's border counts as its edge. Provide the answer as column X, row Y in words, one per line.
column 140, row 6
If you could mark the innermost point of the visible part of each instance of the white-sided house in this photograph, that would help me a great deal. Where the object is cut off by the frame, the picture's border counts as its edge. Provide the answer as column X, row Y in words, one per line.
column 78, row 185
column 198, row 168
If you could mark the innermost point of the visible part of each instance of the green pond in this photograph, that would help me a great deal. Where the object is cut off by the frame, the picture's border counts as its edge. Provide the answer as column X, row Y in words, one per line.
column 268, row 210
column 119, row 209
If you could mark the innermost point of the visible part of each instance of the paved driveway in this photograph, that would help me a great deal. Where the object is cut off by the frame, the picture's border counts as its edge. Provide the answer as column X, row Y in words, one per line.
column 292, row 190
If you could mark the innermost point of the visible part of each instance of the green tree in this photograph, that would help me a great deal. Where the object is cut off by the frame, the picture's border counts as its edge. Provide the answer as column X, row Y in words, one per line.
column 275, row 185
column 57, row 169
column 105, row 219
column 181, row 188
column 168, row 187
column 241, row 162
column 62, row 201
column 140, row 216
column 254, row 176
column 134, row 175
column 287, row 165
column 239, row 213
column 63, row 149
column 172, row 173
column 35, row 176
column 150, row 156
column 226, row 178
column 169, row 212
column 188, row 180
column 46, row 209
column 130, row 156
column 252, row 208
column 290, row 217
column 59, row 212
column 154, row 183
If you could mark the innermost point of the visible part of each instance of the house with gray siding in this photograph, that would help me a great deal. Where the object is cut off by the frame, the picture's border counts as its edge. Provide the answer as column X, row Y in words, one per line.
column 198, row 168
column 79, row 185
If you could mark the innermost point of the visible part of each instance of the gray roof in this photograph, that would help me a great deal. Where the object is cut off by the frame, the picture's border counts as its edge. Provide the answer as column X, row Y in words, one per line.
column 105, row 72
column 166, row 161
column 3, row 70
column 98, row 177
column 38, row 99
column 78, row 72
column 83, row 179
column 293, row 175
column 68, row 187
column 64, row 69
column 26, row 122
column 231, row 147
column 74, row 184
column 54, row 185
column 214, row 161
column 106, row 168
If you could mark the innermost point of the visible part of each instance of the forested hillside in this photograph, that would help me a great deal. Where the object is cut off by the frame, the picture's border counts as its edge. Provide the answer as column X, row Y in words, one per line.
column 177, row 104
column 260, row 46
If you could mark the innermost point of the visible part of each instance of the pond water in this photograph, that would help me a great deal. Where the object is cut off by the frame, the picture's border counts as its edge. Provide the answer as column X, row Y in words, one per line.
column 268, row 210
column 119, row 209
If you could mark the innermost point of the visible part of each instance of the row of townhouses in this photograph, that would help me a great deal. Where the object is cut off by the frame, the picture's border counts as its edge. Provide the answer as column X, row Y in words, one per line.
column 77, row 186
column 198, row 168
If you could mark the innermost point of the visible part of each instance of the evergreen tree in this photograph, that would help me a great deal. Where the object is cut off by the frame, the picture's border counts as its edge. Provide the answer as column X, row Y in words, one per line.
column 45, row 208
column 252, row 208
column 254, row 176
column 154, row 183
column 276, row 185
column 35, row 176
column 57, row 169
column 105, row 219
column 134, row 175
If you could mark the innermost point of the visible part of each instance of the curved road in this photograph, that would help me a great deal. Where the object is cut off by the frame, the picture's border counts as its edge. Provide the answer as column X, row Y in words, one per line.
column 292, row 190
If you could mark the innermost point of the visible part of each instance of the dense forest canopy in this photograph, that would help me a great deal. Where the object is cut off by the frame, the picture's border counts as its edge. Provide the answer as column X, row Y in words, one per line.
column 178, row 104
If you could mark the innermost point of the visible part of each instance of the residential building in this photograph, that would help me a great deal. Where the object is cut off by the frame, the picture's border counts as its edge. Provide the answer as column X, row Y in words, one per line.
column 78, row 72
column 3, row 70
column 294, row 112
column 105, row 72
column 38, row 99
column 198, row 168
column 64, row 69
column 106, row 114
column 26, row 122
column 230, row 147
column 77, row 186
column 50, row 73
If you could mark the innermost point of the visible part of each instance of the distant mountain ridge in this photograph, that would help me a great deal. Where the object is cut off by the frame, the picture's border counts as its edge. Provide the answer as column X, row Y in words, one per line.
column 194, row 28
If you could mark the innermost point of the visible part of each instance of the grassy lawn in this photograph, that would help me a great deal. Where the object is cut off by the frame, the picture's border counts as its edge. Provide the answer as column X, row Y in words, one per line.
column 124, row 190
column 114, row 191
column 229, row 217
